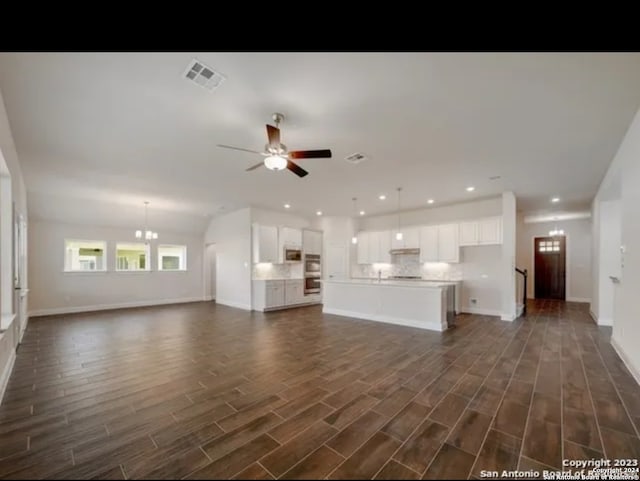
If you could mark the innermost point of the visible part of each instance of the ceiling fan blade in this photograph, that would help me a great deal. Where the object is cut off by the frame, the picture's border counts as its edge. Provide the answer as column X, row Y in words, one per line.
column 310, row 154
column 253, row 167
column 274, row 136
column 296, row 169
column 240, row 148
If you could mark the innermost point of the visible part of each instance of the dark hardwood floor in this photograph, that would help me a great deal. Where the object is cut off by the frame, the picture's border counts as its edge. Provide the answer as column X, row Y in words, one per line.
column 200, row 391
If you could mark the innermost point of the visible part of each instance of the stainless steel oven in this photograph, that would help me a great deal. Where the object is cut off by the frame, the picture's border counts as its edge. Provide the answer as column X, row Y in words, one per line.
column 312, row 264
column 312, row 284
column 312, row 274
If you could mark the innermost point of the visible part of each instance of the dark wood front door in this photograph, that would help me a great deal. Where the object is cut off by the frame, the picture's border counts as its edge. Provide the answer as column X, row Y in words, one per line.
column 550, row 264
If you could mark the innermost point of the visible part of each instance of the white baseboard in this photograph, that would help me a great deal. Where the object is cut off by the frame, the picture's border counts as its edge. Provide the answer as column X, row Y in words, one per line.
column 239, row 305
column 104, row 307
column 481, row 310
column 519, row 310
column 625, row 359
column 432, row 326
column 593, row 316
column 578, row 299
column 208, row 298
column 6, row 373
column 605, row 322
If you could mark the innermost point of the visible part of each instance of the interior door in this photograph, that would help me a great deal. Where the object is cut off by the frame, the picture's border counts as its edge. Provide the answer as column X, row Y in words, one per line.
column 550, row 267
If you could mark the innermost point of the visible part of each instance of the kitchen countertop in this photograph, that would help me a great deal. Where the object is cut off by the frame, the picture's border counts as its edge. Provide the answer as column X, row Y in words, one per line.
column 393, row 282
column 280, row 279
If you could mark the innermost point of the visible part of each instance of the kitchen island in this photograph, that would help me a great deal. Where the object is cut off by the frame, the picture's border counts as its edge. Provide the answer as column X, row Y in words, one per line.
column 422, row 304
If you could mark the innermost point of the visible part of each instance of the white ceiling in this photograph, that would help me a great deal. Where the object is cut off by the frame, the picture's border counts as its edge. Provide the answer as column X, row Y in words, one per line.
column 99, row 133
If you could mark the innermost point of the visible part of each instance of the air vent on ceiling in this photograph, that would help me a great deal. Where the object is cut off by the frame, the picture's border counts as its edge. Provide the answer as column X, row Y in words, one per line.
column 203, row 75
column 355, row 158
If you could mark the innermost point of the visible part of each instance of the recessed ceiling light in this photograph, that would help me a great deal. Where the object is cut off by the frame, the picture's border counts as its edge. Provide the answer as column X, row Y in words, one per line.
column 382, row 197
column 471, row 188
column 555, row 199
column 430, row 201
column 287, row 206
column 319, row 212
column 361, row 212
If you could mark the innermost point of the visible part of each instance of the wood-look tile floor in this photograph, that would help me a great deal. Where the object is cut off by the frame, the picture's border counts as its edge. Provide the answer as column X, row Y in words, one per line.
column 204, row 391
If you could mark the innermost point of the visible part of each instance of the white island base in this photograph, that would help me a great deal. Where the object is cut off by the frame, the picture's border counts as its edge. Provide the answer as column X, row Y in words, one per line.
column 415, row 304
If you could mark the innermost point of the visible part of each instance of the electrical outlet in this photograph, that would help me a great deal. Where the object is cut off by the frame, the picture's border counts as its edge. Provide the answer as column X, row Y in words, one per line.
column 473, row 300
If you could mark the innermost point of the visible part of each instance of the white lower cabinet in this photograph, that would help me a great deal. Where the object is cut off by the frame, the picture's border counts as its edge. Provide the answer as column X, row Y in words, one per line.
column 278, row 294
column 293, row 291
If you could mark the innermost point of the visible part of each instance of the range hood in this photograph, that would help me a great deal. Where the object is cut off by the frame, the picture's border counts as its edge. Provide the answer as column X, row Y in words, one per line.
column 405, row 252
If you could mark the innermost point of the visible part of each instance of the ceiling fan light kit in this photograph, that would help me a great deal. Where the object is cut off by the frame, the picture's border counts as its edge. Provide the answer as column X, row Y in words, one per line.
column 277, row 156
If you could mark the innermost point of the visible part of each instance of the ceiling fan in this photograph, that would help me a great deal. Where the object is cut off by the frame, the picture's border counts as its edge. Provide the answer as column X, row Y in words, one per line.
column 276, row 155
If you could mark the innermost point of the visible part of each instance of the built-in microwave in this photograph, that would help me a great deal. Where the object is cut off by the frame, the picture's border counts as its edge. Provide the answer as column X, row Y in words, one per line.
column 292, row 254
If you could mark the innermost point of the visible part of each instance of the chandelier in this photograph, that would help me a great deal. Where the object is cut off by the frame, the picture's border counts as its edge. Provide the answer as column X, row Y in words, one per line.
column 146, row 233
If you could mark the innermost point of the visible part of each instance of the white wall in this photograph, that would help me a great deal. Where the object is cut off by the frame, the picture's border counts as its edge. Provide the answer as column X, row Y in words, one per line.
column 625, row 169
column 273, row 217
column 434, row 215
column 337, row 249
column 10, row 337
column 55, row 291
column 231, row 233
column 508, row 256
column 578, row 260
column 609, row 242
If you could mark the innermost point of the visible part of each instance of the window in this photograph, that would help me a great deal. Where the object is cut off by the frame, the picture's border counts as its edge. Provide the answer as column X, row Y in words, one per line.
column 132, row 257
column 84, row 255
column 549, row 246
column 172, row 258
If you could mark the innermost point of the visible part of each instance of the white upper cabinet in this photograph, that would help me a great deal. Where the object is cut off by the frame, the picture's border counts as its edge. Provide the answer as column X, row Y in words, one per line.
column 265, row 243
column 490, row 231
column 448, row 247
column 312, row 242
column 429, row 244
column 373, row 240
column 481, row 232
column 384, row 241
column 410, row 238
column 290, row 237
column 363, row 247
column 469, row 233
column 373, row 247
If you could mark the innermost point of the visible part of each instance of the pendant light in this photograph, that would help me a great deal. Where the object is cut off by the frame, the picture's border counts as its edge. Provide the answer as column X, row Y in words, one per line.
column 556, row 231
column 354, row 239
column 146, row 233
column 399, row 235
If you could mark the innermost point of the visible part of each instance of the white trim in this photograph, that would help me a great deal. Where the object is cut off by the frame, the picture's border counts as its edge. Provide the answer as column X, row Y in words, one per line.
column 519, row 309
column 508, row 317
column 104, row 307
column 625, row 359
column 208, row 298
column 239, row 305
column 602, row 321
column 481, row 310
column 6, row 374
column 578, row 299
column 432, row 326
column 26, row 323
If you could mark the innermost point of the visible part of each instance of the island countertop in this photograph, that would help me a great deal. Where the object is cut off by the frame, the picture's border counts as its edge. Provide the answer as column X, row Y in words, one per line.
column 392, row 282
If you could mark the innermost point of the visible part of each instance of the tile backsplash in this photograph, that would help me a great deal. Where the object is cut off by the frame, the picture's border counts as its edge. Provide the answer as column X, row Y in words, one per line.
column 410, row 265
column 277, row 271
